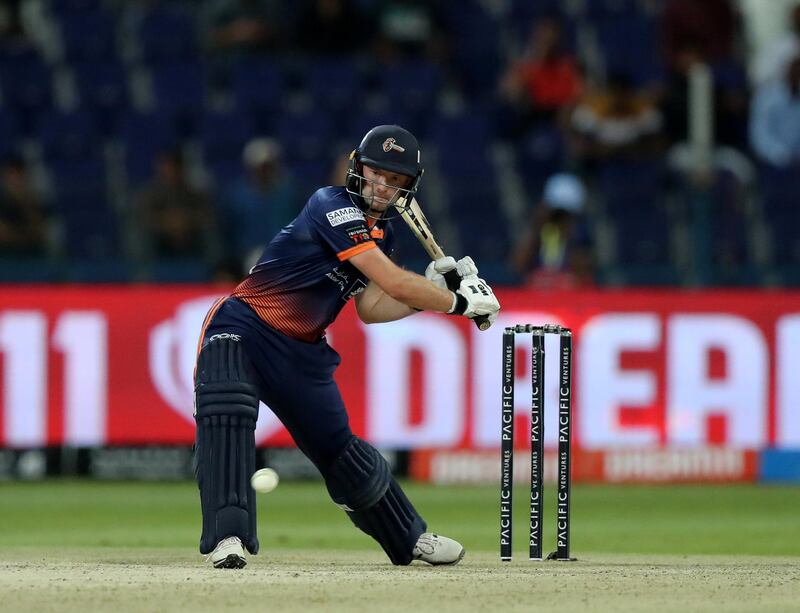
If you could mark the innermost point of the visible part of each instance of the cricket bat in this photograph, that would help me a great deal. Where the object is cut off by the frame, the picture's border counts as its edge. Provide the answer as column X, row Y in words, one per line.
column 413, row 216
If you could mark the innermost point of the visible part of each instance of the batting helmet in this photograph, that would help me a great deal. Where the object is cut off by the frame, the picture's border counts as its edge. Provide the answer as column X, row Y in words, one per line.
column 389, row 148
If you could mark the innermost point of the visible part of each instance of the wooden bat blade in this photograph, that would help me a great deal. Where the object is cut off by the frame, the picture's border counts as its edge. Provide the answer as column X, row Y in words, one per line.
column 415, row 219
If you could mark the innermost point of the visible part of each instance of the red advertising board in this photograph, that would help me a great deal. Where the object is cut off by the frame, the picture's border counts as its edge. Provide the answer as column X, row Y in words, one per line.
column 112, row 365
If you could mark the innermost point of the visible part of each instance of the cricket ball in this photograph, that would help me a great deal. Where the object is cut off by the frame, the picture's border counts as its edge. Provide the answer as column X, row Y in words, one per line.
column 264, row 480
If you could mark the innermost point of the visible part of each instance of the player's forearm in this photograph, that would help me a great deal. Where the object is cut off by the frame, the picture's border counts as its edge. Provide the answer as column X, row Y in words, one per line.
column 417, row 292
column 382, row 309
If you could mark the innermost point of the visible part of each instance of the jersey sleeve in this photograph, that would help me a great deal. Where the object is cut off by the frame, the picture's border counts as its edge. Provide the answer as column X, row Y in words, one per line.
column 342, row 226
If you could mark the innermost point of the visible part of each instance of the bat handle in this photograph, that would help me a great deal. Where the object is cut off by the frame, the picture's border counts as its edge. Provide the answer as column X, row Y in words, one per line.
column 483, row 323
column 453, row 283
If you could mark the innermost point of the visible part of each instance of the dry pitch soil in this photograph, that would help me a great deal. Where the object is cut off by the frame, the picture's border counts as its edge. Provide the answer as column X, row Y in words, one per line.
column 122, row 580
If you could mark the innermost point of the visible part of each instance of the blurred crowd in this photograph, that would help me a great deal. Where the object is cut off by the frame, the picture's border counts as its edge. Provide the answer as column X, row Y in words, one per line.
column 567, row 143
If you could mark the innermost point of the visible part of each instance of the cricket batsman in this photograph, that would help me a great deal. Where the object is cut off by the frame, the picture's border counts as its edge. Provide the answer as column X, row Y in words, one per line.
column 266, row 341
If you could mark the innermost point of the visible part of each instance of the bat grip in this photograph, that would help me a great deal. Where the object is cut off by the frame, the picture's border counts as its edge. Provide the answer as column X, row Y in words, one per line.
column 453, row 283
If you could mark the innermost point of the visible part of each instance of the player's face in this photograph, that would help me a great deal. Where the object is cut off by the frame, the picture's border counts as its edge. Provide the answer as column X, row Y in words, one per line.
column 381, row 187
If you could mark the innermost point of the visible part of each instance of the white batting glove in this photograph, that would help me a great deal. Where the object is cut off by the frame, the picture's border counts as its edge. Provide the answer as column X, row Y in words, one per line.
column 437, row 271
column 474, row 297
column 466, row 267
column 437, row 268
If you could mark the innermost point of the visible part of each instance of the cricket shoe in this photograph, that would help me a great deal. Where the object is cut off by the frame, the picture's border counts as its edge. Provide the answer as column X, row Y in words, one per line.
column 436, row 549
column 229, row 553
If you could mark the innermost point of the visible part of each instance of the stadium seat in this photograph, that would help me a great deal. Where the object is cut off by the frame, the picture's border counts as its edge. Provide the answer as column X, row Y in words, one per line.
column 617, row 35
column 143, row 136
column 9, row 133
column 167, row 34
column 333, row 84
column 358, row 124
column 223, row 137
column 63, row 7
column 103, row 88
column 258, row 89
column 411, row 86
column 68, row 136
column 89, row 224
column 179, row 89
column 463, row 145
column 482, row 225
column 540, row 154
column 26, row 85
column 88, row 35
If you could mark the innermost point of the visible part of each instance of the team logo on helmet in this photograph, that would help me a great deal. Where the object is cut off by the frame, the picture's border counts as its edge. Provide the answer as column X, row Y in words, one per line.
column 390, row 143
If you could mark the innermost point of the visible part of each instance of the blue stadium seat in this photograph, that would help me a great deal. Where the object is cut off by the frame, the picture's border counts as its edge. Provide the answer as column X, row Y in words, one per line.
column 785, row 238
column 68, row 136
column 27, row 86
column 88, row 35
column 463, row 145
column 630, row 185
column 617, row 36
column 9, row 133
column 306, row 135
column 143, row 136
column 475, row 48
column 334, row 84
column 412, row 86
column 103, row 88
column 167, row 34
column 258, row 89
column 482, row 225
column 223, row 137
column 89, row 224
column 779, row 189
column 179, row 89
column 62, row 7
column 540, row 154
column 358, row 124
column 731, row 260
column 599, row 9
column 642, row 236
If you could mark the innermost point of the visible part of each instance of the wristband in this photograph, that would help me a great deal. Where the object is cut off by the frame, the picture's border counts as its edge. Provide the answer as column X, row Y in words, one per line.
column 459, row 305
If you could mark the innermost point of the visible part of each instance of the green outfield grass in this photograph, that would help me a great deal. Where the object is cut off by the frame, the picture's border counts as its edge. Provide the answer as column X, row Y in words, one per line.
column 702, row 519
column 77, row 546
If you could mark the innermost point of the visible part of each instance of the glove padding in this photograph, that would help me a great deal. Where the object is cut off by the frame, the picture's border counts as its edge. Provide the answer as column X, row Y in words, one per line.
column 474, row 297
column 437, row 270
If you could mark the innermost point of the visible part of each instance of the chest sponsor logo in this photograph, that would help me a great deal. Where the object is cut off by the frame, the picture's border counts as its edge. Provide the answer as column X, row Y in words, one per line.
column 345, row 215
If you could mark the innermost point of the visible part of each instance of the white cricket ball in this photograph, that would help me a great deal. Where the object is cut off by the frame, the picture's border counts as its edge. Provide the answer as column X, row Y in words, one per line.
column 264, row 480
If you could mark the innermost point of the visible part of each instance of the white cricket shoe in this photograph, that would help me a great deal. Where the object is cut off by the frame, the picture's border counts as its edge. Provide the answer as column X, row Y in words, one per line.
column 437, row 549
column 229, row 553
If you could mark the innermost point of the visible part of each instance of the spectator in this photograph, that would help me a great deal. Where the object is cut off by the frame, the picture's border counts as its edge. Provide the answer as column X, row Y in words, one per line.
column 730, row 110
column 773, row 62
column 330, row 27
column 708, row 26
column 237, row 27
column 775, row 121
column 707, row 32
column 556, row 249
column 618, row 121
column 176, row 218
column 23, row 220
column 256, row 207
column 544, row 79
column 409, row 29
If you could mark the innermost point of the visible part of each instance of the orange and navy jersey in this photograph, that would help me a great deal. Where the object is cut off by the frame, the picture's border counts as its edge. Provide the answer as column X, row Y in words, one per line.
column 303, row 278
